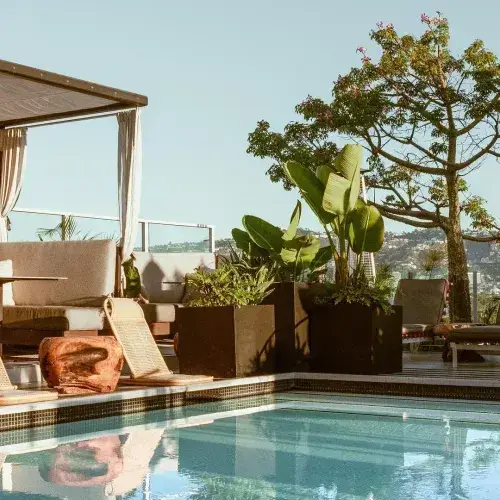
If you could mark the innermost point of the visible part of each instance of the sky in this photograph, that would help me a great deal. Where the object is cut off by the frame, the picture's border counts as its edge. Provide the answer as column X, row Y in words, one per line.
column 211, row 70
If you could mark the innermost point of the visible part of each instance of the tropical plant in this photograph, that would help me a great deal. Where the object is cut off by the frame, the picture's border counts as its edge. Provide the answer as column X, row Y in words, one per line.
column 351, row 225
column 488, row 305
column 432, row 258
column 229, row 285
column 68, row 230
column 428, row 118
column 294, row 257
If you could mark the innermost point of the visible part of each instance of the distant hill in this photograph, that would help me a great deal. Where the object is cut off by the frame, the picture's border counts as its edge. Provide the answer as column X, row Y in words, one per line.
column 401, row 251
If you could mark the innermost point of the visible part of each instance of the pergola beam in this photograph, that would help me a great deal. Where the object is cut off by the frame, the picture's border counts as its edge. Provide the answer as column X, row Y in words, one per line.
column 64, row 96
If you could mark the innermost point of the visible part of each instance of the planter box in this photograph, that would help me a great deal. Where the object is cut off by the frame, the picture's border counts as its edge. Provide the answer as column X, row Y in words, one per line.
column 292, row 326
column 226, row 342
column 352, row 338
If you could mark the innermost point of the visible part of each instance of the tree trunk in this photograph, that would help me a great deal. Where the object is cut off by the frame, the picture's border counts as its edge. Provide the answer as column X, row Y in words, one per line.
column 460, row 308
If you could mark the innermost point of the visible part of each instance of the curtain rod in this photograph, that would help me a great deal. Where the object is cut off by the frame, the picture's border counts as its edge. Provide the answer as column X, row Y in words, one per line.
column 70, row 120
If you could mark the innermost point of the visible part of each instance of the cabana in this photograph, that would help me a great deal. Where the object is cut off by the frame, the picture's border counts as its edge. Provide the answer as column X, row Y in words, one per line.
column 31, row 97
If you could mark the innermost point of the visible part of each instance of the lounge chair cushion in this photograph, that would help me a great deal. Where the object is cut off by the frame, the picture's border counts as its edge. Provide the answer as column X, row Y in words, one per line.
column 89, row 265
column 53, row 318
column 163, row 274
column 417, row 330
column 159, row 313
column 476, row 334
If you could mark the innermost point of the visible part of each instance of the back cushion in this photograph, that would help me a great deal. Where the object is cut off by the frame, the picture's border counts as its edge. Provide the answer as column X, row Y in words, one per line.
column 89, row 265
column 422, row 300
column 163, row 274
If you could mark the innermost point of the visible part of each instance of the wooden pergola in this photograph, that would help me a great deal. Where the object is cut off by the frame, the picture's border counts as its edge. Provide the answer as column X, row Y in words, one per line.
column 31, row 96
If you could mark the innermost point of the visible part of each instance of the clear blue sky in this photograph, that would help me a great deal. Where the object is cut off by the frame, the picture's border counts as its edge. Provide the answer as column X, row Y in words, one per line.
column 211, row 70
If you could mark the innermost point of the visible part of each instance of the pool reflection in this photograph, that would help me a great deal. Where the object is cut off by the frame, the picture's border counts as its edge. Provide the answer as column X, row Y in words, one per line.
column 276, row 454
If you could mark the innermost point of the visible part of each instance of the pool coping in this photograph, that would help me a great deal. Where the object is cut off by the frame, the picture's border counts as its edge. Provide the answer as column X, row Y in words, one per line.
column 143, row 399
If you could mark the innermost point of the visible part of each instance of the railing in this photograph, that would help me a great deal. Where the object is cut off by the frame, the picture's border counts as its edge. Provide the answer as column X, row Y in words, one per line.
column 144, row 224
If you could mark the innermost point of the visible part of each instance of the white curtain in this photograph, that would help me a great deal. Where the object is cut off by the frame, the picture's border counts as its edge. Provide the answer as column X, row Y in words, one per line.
column 129, row 178
column 12, row 164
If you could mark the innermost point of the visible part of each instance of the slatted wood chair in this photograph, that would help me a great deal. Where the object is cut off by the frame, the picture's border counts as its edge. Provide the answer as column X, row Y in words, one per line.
column 144, row 359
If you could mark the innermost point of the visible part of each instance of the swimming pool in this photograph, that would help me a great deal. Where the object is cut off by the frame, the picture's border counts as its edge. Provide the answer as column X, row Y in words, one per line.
column 282, row 446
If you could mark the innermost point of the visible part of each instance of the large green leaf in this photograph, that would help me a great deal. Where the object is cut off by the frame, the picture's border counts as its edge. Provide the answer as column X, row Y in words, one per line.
column 323, row 172
column 311, row 189
column 348, row 161
column 242, row 240
column 348, row 164
column 366, row 229
column 246, row 245
column 336, row 196
column 322, row 257
column 294, row 223
column 263, row 234
column 302, row 250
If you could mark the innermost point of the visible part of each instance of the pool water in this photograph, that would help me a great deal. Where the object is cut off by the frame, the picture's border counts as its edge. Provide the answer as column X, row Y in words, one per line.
column 294, row 446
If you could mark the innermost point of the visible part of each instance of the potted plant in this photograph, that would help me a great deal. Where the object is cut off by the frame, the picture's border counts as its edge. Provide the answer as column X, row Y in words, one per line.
column 353, row 327
column 224, row 331
column 296, row 260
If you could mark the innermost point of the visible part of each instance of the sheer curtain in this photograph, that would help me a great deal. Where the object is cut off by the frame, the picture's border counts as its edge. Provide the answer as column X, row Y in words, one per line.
column 12, row 165
column 129, row 178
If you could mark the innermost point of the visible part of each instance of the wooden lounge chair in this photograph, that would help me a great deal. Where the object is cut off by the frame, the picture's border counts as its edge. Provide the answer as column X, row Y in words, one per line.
column 470, row 337
column 144, row 359
column 423, row 304
column 10, row 395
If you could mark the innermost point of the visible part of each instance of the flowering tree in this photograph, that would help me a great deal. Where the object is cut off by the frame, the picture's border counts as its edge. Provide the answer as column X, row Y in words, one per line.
column 428, row 119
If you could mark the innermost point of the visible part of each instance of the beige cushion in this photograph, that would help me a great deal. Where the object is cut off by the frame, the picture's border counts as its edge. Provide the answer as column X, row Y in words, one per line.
column 159, row 313
column 163, row 274
column 6, row 270
column 53, row 317
column 89, row 266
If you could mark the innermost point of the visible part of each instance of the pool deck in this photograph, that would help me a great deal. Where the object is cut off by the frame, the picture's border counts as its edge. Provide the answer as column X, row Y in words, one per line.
column 424, row 375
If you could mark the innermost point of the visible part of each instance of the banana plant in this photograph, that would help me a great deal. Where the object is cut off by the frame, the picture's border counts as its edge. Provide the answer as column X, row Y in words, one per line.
column 333, row 193
column 293, row 255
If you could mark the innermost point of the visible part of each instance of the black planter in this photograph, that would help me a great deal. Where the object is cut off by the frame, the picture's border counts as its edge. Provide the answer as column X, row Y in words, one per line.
column 353, row 338
column 291, row 326
column 226, row 342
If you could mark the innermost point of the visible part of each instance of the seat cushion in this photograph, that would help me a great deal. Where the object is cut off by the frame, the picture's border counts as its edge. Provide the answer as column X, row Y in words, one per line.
column 159, row 313
column 417, row 330
column 477, row 334
column 53, row 317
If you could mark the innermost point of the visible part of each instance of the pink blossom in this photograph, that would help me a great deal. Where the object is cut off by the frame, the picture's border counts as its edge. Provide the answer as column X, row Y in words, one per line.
column 361, row 49
column 425, row 18
column 366, row 59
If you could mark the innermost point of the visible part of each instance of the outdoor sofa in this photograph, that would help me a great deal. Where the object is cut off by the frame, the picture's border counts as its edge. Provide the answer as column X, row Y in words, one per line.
column 68, row 308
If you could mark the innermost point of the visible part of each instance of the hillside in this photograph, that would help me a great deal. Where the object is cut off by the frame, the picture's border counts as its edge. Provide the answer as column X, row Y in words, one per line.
column 402, row 251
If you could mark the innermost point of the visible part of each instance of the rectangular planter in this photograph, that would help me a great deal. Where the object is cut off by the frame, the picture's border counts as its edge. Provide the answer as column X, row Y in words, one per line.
column 353, row 338
column 226, row 342
column 292, row 326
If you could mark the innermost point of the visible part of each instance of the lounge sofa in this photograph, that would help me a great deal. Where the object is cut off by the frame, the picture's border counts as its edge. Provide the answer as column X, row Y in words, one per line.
column 64, row 308
column 163, row 278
